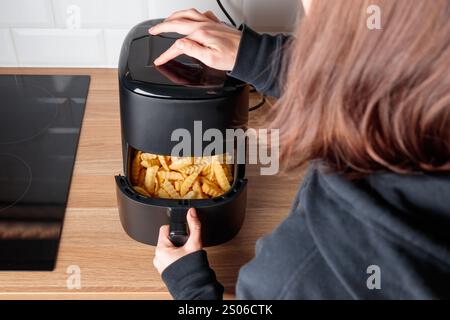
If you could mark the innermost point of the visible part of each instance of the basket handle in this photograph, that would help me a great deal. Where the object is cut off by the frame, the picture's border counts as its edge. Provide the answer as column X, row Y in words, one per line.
column 178, row 229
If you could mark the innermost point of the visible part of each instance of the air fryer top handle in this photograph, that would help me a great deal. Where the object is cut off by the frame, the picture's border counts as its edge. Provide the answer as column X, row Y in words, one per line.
column 178, row 230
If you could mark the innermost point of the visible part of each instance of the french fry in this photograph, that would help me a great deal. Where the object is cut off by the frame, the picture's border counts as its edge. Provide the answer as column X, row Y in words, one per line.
column 150, row 178
column 141, row 191
column 163, row 194
column 183, row 162
column 190, row 195
column 168, row 187
column 186, row 185
column 196, row 185
column 163, row 162
column 206, row 170
column 191, row 169
column 156, row 186
column 206, row 180
column 211, row 176
column 180, row 177
column 198, row 189
column 211, row 189
column 203, row 161
column 149, row 163
column 160, row 179
column 170, row 175
column 135, row 167
column 175, row 159
column 148, row 156
column 220, row 176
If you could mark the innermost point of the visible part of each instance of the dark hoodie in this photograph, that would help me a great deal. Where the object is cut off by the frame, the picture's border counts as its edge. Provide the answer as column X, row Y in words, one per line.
column 383, row 237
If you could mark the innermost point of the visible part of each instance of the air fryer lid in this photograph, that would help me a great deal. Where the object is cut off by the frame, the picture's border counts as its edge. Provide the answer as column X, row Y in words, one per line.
column 181, row 78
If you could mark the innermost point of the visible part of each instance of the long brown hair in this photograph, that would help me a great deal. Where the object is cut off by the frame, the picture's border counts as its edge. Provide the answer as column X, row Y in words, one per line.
column 369, row 100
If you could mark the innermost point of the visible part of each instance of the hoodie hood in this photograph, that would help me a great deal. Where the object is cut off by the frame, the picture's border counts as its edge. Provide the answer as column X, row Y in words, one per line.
column 397, row 226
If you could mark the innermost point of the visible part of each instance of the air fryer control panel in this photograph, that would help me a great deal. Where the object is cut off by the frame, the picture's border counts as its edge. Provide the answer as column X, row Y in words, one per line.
column 181, row 71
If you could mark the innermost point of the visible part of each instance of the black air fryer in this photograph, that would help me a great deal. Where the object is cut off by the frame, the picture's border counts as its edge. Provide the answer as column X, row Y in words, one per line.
column 154, row 101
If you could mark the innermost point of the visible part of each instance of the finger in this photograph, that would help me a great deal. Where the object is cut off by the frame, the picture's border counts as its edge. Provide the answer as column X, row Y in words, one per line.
column 188, row 47
column 211, row 15
column 163, row 237
column 195, row 228
column 181, row 26
column 191, row 14
column 194, row 49
column 171, row 53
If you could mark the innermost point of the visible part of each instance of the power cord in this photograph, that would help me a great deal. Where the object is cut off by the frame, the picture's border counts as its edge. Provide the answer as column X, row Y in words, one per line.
column 225, row 12
column 263, row 97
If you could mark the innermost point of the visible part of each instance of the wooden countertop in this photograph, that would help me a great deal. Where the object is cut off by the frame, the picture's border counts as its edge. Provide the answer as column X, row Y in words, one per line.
column 113, row 266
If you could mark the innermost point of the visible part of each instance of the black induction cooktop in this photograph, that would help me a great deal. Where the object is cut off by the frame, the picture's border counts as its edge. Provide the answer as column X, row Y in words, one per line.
column 40, row 122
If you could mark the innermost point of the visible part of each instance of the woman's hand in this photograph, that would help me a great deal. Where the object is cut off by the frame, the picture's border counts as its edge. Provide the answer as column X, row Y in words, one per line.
column 207, row 39
column 166, row 253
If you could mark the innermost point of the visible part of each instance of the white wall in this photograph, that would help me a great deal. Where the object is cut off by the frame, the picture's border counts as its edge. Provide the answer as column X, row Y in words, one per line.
column 46, row 32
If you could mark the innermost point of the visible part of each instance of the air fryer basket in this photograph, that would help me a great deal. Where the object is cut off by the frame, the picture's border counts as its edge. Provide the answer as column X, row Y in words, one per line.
column 142, row 216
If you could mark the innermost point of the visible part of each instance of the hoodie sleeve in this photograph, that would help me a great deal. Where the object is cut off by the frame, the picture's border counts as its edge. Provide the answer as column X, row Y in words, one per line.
column 259, row 60
column 191, row 278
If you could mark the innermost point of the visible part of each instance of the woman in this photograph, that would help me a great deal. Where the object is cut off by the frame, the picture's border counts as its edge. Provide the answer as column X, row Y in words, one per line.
column 369, row 110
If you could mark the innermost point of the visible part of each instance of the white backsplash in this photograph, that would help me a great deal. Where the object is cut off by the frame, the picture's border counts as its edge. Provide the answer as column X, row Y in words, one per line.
column 89, row 33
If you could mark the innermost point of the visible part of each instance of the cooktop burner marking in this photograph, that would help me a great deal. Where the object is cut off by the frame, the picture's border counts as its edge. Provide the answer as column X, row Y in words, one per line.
column 15, row 180
column 34, row 111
